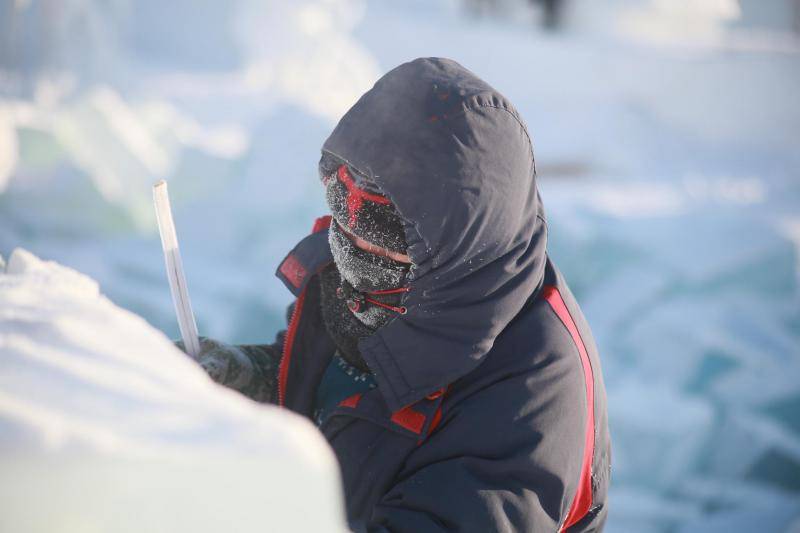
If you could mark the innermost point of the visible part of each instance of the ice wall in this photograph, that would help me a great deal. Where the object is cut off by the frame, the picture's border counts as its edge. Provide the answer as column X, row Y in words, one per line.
column 106, row 426
column 228, row 101
column 665, row 135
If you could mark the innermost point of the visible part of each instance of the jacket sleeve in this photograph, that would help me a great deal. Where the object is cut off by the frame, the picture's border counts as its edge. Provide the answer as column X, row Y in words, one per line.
column 265, row 359
column 505, row 459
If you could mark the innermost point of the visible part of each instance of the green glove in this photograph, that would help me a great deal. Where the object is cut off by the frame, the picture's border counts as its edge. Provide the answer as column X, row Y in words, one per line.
column 249, row 369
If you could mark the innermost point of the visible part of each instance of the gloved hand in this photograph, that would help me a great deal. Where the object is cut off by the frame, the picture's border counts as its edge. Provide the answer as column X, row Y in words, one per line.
column 235, row 367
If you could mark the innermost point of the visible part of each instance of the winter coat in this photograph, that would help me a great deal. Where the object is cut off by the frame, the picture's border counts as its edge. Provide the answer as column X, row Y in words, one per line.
column 490, row 410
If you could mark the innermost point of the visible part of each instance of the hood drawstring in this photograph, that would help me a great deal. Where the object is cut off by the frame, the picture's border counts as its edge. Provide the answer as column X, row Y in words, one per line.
column 357, row 299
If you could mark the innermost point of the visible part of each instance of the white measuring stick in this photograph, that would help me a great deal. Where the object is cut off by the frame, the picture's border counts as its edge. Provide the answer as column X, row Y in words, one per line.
column 177, row 281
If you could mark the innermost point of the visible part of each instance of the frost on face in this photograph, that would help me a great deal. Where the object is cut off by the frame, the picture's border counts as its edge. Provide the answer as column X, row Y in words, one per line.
column 377, row 223
column 380, row 224
column 344, row 328
column 365, row 271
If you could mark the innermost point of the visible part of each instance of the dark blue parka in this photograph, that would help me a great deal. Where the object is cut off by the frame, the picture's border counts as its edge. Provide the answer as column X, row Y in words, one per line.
column 490, row 410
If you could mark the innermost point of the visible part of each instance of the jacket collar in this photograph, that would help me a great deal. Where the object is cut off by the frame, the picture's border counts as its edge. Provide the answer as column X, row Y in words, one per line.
column 415, row 421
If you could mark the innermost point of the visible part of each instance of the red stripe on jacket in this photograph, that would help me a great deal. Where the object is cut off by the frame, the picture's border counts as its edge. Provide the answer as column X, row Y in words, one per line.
column 582, row 500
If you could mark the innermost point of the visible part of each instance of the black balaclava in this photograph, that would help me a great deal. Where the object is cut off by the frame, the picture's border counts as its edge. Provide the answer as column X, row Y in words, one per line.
column 361, row 291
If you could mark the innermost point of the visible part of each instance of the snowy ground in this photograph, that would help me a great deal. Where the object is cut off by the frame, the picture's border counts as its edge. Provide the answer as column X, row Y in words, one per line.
column 666, row 136
column 106, row 426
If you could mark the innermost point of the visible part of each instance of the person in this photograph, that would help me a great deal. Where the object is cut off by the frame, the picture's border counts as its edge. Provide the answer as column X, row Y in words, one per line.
column 432, row 339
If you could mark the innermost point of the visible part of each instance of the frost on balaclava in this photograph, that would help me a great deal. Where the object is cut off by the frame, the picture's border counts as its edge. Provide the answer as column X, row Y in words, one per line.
column 361, row 291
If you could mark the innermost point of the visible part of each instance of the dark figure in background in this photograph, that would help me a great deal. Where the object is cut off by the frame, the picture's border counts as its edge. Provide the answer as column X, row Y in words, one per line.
column 551, row 20
column 432, row 340
column 552, row 12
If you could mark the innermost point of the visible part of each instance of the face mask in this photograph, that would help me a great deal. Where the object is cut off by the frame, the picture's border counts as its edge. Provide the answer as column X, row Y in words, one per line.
column 360, row 293
column 345, row 326
column 353, row 312
column 364, row 290
column 364, row 272
column 358, row 206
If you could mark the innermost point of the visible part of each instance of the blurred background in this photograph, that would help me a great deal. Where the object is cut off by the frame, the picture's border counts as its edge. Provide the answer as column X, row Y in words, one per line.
column 667, row 137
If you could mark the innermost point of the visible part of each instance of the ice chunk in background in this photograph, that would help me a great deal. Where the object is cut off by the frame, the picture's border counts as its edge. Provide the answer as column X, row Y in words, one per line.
column 644, row 509
column 696, row 313
column 740, row 506
column 231, row 104
column 263, row 221
column 9, row 149
column 668, row 171
column 309, row 58
column 106, row 426
column 664, row 446
column 107, row 146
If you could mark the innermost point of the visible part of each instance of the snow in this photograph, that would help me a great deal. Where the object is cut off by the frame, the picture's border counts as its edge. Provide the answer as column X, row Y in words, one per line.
column 666, row 141
column 9, row 149
column 106, row 426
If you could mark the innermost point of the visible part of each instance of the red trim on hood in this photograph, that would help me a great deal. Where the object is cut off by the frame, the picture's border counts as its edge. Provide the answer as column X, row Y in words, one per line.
column 582, row 500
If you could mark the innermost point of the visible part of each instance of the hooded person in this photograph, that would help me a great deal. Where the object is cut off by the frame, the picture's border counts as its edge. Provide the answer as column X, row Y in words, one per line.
column 432, row 339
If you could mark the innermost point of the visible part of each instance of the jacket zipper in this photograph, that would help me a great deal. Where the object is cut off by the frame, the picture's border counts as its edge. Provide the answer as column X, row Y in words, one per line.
column 320, row 224
column 288, row 344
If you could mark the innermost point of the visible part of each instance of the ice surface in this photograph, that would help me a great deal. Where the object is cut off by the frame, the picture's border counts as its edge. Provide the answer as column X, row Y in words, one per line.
column 106, row 426
column 666, row 142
